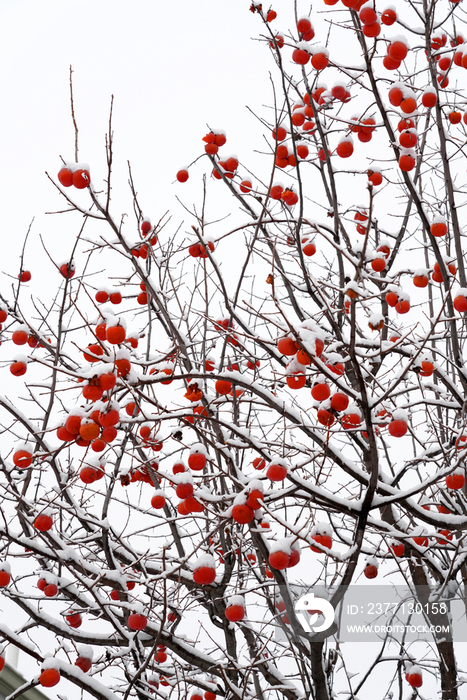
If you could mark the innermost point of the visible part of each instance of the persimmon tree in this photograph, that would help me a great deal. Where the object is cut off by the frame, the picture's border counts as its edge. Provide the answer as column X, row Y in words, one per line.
column 237, row 397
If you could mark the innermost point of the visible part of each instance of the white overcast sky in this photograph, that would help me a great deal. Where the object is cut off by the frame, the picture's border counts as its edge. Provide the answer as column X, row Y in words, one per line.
column 172, row 68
